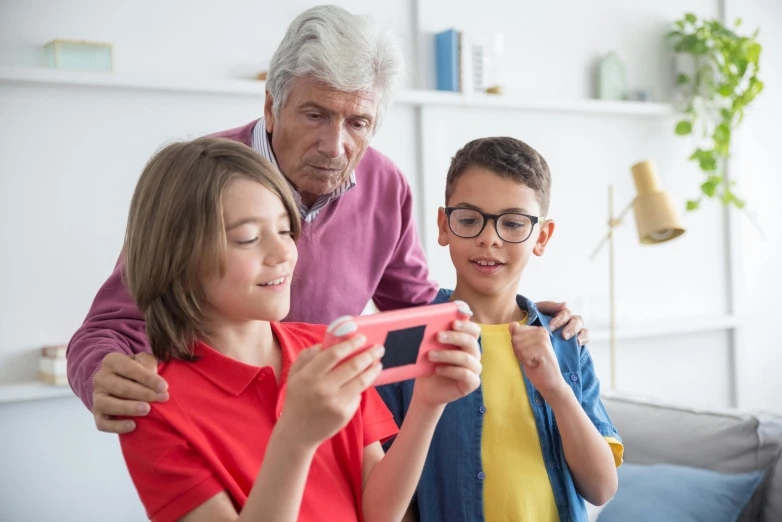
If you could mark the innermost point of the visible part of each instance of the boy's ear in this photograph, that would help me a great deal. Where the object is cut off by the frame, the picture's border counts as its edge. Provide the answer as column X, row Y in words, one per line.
column 546, row 231
column 442, row 227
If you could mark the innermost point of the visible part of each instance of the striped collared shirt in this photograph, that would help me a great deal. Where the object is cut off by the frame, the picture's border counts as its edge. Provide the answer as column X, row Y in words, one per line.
column 262, row 146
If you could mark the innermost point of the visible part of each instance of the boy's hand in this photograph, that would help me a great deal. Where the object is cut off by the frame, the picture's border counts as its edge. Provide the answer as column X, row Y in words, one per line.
column 533, row 349
column 458, row 368
column 322, row 394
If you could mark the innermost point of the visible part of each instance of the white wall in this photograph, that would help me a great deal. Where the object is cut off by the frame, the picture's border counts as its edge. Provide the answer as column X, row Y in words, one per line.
column 69, row 158
column 757, row 167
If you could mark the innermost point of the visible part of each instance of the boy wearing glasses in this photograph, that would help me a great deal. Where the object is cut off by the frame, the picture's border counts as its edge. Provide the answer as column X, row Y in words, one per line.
column 534, row 441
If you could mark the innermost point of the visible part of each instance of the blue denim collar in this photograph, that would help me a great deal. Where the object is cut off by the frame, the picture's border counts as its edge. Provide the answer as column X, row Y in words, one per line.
column 535, row 318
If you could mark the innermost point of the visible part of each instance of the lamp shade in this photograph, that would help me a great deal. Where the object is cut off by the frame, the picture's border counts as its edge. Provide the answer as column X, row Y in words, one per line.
column 655, row 215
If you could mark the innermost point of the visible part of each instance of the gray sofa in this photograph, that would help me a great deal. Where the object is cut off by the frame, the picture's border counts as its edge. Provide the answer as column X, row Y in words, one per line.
column 727, row 441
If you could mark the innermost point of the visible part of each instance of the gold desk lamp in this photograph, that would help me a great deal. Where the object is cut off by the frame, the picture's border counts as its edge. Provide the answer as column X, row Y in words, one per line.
column 657, row 222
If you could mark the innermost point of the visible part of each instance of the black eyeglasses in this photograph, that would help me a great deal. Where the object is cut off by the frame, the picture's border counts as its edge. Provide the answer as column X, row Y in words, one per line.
column 511, row 227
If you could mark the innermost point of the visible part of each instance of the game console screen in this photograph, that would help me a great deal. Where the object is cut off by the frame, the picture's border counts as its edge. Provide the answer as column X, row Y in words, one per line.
column 402, row 346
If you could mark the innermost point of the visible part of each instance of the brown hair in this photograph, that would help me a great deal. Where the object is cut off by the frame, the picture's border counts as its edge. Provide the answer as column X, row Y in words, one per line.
column 175, row 236
column 507, row 157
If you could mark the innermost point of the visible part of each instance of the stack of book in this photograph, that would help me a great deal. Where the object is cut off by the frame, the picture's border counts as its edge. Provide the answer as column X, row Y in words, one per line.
column 460, row 62
column 52, row 365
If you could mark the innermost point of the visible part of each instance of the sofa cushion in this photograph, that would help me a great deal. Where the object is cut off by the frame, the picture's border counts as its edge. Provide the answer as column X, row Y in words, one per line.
column 727, row 441
column 684, row 494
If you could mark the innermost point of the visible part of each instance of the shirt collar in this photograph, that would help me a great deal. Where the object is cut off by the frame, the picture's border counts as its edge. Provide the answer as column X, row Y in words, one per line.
column 535, row 318
column 234, row 376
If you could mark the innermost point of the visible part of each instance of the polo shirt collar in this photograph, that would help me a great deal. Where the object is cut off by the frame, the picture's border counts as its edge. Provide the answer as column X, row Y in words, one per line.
column 234, row 376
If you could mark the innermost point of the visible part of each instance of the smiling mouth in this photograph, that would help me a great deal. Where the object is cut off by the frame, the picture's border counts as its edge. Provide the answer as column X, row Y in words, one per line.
column 487, row 263
column 275, row 282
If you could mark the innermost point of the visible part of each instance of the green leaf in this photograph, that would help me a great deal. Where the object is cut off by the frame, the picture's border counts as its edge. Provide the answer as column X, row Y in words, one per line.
column 709, row 188
column 693, row 204
column 682, row 79
column 725, row 91
column 740, row 203
column 722, row 133
column 737, row 22
column 688, row 44
column 683, row 128
column 708, row 164
column 698, row 154
column 691, row 18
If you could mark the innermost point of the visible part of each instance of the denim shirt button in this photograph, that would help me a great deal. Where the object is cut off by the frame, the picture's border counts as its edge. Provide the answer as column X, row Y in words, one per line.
column 537, row 399
column 482, row 409
column 481, row 475
column 574, row 377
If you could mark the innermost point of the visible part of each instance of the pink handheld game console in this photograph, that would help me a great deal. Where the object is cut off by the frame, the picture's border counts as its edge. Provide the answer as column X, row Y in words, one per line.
column 408, row 335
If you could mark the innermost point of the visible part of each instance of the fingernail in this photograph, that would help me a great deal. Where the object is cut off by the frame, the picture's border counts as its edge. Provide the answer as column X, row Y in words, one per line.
column 458, row 324
column 130, row 425
column 162, row 387
column 360, row 339
column 568, row 335
column 443, row 336
column 162, row 397
column 434, row 355
column 143, row 408
column 378, row 351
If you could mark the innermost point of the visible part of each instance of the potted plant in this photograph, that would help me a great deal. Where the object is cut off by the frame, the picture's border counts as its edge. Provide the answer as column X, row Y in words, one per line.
column 720, row 85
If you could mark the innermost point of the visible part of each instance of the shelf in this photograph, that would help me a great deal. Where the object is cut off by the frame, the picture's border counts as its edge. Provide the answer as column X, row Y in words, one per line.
column 666, row 328
column 31, row 391
column 489, row 101
column 43, row 76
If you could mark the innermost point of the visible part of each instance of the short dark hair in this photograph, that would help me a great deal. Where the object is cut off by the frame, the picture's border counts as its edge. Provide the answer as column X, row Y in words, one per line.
column 507, row 157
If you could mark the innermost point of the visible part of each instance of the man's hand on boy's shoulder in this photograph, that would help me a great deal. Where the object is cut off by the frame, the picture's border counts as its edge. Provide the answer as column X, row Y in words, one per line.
column 533, row 349
column 563, row 317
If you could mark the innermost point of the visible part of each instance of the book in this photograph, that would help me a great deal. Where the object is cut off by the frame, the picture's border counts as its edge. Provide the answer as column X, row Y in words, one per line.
column 52, row 366
column 447, row 60
column 57, row 351
column 54, row 380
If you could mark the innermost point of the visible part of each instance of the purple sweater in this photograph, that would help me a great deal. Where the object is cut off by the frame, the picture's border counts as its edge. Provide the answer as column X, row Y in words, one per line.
column 363, row 245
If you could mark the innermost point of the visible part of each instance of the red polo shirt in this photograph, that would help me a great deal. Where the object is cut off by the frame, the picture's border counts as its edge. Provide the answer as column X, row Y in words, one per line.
column 211, row 435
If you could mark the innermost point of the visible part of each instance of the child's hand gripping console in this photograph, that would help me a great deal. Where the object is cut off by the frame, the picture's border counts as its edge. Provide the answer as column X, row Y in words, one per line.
column 408, row 335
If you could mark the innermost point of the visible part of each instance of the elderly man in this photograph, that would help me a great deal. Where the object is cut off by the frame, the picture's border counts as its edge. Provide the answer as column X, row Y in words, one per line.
column 329, row 85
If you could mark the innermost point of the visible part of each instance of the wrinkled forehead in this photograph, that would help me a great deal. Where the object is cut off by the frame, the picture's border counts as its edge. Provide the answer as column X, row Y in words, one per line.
column 307, row 91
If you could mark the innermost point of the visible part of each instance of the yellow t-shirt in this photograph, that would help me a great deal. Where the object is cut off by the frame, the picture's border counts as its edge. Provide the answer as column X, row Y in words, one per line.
column 516, row 484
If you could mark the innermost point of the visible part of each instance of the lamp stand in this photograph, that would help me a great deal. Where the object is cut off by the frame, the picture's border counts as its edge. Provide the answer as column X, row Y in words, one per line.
column 612, row 223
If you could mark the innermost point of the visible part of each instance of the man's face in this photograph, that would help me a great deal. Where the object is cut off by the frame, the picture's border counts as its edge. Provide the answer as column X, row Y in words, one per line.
column 321, row 134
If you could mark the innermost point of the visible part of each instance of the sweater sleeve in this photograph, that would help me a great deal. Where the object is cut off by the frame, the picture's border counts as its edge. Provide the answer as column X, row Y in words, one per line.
column 405, row 282
column 113, row 324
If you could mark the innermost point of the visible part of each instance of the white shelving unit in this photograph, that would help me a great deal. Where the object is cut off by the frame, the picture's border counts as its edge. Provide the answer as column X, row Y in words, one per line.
column 43, row 76
column 31, row 391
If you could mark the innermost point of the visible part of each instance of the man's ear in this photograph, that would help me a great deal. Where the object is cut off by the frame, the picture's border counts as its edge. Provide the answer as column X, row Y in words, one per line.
column 268, row 112
column 442, row 227
column 546, row 231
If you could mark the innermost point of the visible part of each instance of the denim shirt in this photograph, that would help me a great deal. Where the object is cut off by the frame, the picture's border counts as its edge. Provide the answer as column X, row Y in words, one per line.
column 451, row 485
